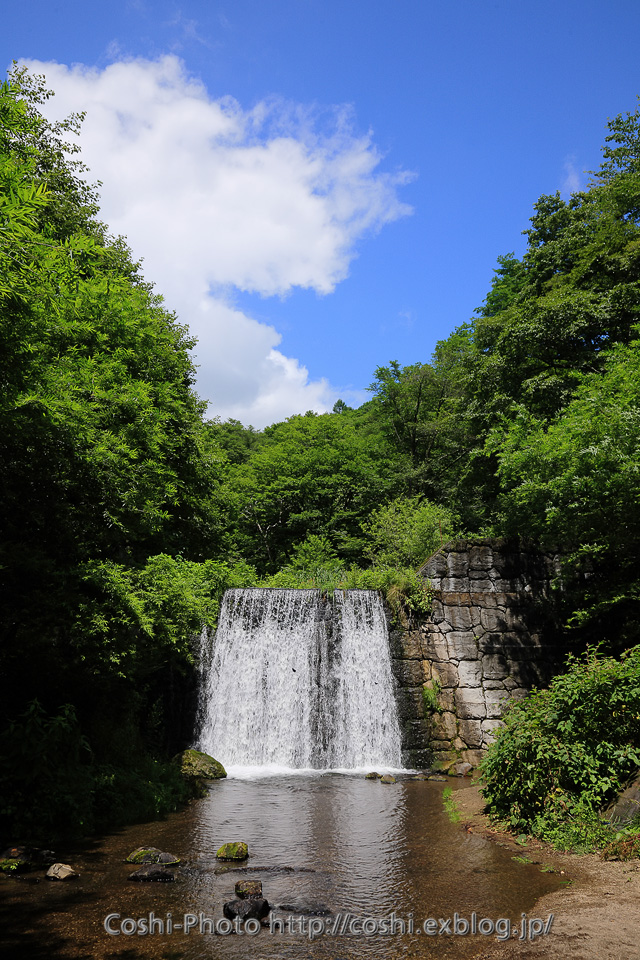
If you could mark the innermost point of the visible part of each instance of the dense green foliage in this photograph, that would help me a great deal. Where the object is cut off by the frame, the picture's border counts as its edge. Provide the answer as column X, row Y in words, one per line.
column 124, row 514
column 407, row 531
column 318, row 475
column 564, row 752
column 108, row 482
column 575, row 482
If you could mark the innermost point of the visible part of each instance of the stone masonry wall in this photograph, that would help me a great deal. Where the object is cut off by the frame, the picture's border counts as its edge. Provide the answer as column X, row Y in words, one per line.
column 491, row 635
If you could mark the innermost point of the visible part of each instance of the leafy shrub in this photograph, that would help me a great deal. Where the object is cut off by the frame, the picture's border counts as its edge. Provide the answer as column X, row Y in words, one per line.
column 135, row 613
column 450, row 806
column 407, row 531
column 128, row 795
column 564, row 752
column 402, row 589
column 45, row 783
column 430, row 701
column 314, row 551
column 623, row 847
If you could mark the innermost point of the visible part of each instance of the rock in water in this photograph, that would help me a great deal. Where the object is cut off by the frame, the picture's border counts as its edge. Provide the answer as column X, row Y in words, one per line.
column 152, row 855
column 388, row 779
column 246, row 889
column 153, row 873
column 461, row 770
column 372, row 776
column 195, row 765
column 253, row 908
column 233, row 851
column 61, row 871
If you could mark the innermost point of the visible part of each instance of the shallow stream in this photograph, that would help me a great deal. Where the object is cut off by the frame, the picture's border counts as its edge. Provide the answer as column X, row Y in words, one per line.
column 331, row 849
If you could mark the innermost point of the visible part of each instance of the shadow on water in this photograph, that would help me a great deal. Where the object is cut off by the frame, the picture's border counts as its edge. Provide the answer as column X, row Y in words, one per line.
column 326, row 847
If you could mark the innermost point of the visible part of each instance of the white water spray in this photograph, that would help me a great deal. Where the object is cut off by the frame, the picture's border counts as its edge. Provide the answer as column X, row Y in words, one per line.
column 296, row 680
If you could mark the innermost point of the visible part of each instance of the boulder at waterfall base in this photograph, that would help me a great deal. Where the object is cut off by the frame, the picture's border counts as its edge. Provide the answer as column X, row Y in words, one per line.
column 195, row 765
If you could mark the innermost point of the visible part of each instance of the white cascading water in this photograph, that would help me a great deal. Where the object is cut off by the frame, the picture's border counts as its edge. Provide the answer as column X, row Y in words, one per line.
column 292, row 679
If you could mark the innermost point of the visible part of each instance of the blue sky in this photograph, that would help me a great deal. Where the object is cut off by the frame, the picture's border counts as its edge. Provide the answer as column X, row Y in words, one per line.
column 320, row 187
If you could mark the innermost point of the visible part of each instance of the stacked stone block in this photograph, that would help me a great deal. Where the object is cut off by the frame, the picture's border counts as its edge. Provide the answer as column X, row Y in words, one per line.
column 491, row 636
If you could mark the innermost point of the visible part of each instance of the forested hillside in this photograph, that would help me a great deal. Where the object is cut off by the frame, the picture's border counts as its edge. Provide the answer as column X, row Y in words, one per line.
column 125, row 512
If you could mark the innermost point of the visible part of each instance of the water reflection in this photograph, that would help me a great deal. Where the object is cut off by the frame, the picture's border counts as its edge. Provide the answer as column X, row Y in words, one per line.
column 363, row 841
column 323, row 846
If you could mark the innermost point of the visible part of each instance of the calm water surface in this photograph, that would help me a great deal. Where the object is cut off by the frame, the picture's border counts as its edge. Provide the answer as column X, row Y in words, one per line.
column 326, row 845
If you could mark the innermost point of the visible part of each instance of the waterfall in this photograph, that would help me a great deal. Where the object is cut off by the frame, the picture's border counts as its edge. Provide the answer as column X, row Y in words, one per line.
column 293, row 679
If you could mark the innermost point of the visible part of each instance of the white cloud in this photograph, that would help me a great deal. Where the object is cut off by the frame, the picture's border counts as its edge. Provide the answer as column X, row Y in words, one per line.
column 215, row 198
column 572, row 182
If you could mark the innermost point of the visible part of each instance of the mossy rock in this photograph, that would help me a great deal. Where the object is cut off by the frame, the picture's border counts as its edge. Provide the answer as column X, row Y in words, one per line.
column 388, row 779
column 372, row 776
column 153, row 873
column 152, row 855
column 246, row 889
column 233, row 851
column 195, row 765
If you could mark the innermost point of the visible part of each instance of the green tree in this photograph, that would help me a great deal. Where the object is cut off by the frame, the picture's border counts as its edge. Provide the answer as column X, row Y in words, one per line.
column 311, row 475
column 575, row 484
column 407, row 531
column 233, row 439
